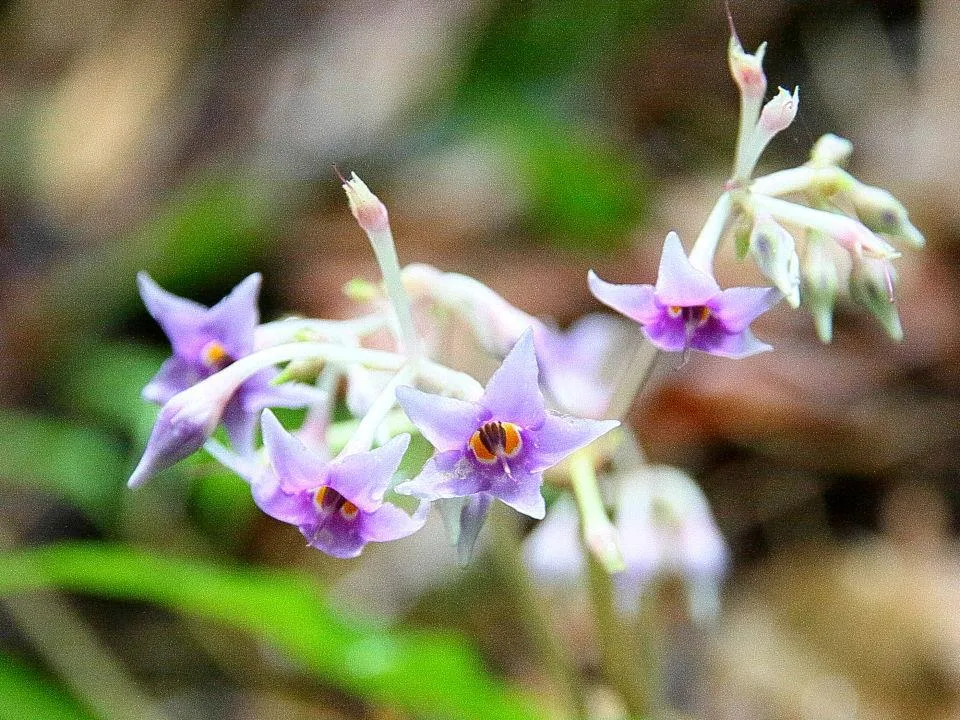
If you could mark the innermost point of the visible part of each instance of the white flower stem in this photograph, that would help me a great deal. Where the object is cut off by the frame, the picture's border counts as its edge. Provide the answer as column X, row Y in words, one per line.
column 385, row 251
column 705, row 247
column 365, row 434
column 291, row 329
column 599, row 534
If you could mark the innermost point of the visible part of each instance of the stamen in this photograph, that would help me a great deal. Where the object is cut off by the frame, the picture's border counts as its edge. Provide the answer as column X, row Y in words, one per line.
column 495, row 440
column 349, row 510
column 215, row 356
column 675, row 311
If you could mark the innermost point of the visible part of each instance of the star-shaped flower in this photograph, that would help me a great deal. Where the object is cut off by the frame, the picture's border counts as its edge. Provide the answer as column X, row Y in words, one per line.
column 686, row 309
column 206, row 340
column 500, row 445
column 337, row 504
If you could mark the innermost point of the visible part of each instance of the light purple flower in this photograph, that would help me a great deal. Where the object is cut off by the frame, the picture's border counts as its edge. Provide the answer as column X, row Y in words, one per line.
column 337, row 504
column 205, row 341
column 498, row 446
column 686, row 309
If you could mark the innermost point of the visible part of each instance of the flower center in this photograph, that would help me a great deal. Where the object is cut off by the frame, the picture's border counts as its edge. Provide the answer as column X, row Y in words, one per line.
column 329, row 501
column 495, row 440
column 215, row 356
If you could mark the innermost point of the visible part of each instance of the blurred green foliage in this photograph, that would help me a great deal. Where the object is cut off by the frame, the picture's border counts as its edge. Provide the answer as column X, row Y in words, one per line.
column 427, row 673
column 25, row 693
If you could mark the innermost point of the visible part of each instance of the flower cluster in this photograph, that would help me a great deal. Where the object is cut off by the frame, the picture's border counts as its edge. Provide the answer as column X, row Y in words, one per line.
column 415, row 364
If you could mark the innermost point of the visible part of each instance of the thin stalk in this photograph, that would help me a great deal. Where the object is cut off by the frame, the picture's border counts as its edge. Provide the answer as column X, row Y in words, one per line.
column 632, row 380
column 705, row 246
column 362, row 439
column 599, row 534
column 385, row 251
column 535, row 614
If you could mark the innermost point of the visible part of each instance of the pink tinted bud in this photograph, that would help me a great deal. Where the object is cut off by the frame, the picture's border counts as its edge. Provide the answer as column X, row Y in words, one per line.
column 365, row 206
column 747, row 69
column 779, row 112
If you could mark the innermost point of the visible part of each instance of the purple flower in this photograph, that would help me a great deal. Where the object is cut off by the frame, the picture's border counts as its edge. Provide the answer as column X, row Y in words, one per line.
column 337, row 504
column 205, row 341
column 686, row 309
column 498, row 446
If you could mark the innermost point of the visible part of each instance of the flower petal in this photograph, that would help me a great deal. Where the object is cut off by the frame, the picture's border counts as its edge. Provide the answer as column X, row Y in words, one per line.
column 446, row 475
column 472, row 516
column 669, row 334
column 336, row 536
column 180, row 318
column 363, row 477
column 175, row 374
column 513, row 393
column 635, row 301
column 297, row 468
column 391, row 523
column 679, row 282
column 233, row 320
column 714, row 338
column 296, row 508
column 562, row 435
column 737, row 307
column 447, row 423
column 521, row 491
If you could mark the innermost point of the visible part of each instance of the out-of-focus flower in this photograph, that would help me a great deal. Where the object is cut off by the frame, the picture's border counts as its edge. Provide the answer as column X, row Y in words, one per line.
column 337, row 504
column 207, row 340
column 830, row 151
column 820, row 283
column 774, row 251
column 779, row 112
column 665, row 528
column 871, row 285
column 686, row 309
column 501, row 444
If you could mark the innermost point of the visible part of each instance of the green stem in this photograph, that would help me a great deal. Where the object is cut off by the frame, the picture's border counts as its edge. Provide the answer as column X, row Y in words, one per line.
column 534, row 614
column 599, row 534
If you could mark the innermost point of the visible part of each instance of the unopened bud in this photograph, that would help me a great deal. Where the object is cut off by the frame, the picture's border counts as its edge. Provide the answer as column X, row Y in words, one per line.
column 365, row 206
column 747, row 69
column 819, row 275
column 883, row 213
column 830, row 151
column 183, row 426
column 871, row 285
column 775, row 253
column 779, row 112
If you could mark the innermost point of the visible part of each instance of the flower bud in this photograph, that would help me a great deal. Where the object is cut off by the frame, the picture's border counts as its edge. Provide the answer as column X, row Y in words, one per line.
column 883, row 213
column 778, row 113
column 830, row 151
column 183, row 426
column 747, row 69
column 871, row 285
column 819, row 274
column 365, row 206
column 775, row 253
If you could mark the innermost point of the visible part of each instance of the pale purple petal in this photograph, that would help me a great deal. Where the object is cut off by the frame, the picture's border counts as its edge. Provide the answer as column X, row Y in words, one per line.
column 391, row 523
column 560, row 436
column 259, row 393
column 513, row 393
column 635, row 301
column 668, row 333
column 335, row 535
column 363, row 477
column 233, row 320
column 472, row 516
column 713, row 338
column 173, row 438
column 737, row 307
column 447, row 423
column 446, row 475
column 175, row 374
column 521, row 491
column 552, row 550
column 297, row 468
column 240, row 424
column 180, row 318
column 680, row 283
column 296, row 508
